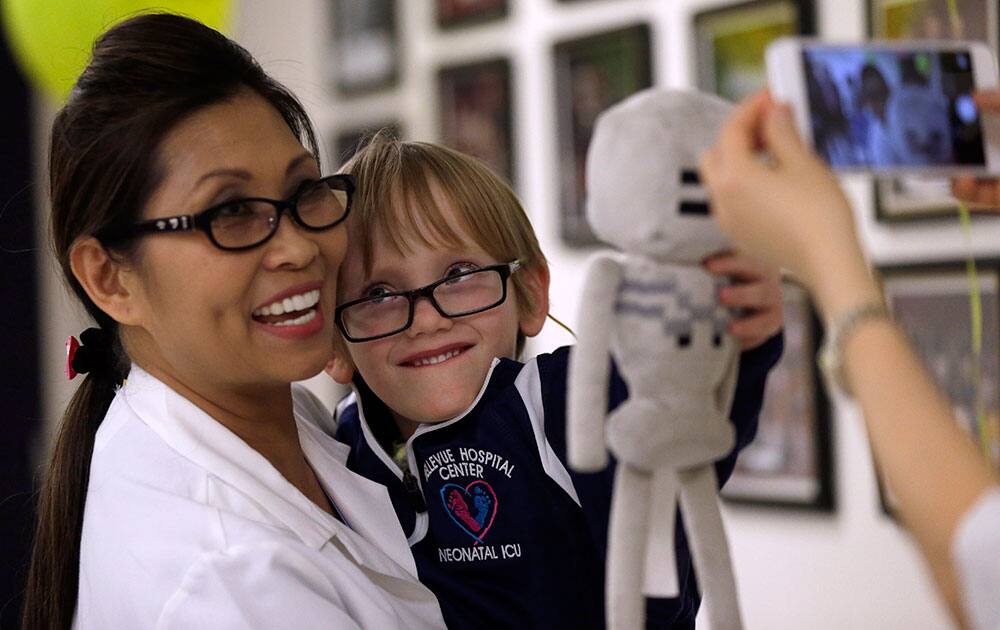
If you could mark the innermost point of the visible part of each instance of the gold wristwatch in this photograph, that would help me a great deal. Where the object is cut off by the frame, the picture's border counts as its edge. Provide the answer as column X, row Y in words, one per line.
column 831, row 355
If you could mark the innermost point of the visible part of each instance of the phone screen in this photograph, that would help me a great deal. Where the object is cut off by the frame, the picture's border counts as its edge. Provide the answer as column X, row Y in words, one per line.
column 886, row 108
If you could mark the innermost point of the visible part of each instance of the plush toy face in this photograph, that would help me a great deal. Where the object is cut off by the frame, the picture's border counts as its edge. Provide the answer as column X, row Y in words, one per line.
column 643, row 194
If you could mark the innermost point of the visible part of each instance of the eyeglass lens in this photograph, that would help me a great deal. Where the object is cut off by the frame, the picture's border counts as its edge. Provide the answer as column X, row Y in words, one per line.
column 247, row 222
column 463, row 295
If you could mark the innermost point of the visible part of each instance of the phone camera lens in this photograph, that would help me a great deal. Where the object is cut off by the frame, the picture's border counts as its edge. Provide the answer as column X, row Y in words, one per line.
column 965, row 109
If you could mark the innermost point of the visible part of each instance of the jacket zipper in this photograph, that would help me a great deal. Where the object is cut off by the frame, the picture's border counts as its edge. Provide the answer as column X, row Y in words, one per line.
column 413, row 492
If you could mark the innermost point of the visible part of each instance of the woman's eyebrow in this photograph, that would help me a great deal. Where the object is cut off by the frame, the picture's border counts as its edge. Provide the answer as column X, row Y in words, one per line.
column 247, row 175
column 299, row 160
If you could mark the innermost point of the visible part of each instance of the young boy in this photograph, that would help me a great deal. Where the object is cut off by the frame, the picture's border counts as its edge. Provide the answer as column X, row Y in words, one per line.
column 443, row 281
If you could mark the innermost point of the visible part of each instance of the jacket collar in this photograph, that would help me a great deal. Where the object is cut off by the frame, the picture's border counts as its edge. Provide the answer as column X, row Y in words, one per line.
column 372, row 410
column 200, row 438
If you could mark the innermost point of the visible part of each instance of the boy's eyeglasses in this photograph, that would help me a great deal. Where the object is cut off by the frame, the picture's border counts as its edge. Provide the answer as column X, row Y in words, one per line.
column 461, row 294
column 247, row 223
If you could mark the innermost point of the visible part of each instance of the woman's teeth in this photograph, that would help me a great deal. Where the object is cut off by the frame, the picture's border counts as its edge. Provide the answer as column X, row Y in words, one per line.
column 298, row 321
column 435, row 360
column 291, row 304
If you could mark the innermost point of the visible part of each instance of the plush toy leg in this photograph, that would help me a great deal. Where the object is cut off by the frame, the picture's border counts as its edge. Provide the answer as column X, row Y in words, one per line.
column 709, row 547
column 661, row 563
column 627, row 548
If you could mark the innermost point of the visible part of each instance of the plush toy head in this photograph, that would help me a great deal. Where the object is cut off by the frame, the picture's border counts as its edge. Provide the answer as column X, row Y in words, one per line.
column 643, row 192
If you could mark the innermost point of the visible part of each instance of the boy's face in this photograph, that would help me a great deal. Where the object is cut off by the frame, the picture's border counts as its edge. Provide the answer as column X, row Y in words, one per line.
column 396, row 367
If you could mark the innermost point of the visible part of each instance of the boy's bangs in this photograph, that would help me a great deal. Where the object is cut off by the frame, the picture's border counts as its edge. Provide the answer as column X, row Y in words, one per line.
column 410, row 216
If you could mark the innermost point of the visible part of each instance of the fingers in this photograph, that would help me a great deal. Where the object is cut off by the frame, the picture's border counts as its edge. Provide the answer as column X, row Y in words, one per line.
column 739, row 137
column 754, row 295
column 755, row 329
column 780, row 135
column 981, row 194
column 988, row 101
column 739, row 267
column 964, row 188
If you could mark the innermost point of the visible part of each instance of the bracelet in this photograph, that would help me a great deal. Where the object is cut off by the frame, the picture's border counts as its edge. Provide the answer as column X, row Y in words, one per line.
column 831, row 359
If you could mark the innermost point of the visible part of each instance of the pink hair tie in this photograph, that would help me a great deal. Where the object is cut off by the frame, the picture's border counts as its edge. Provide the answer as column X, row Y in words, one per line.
column 72, row 345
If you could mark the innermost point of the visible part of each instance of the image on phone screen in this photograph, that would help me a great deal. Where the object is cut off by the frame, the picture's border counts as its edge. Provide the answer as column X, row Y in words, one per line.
column 888, row 108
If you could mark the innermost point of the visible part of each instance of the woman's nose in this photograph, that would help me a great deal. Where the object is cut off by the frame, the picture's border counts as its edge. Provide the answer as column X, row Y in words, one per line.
column 291, row 246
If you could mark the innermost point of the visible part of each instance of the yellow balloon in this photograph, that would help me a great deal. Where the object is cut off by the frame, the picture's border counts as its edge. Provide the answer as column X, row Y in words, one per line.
column 52, row 39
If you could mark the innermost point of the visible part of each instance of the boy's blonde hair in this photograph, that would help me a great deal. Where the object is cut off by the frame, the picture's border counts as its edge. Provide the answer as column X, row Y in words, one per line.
column 395, row 196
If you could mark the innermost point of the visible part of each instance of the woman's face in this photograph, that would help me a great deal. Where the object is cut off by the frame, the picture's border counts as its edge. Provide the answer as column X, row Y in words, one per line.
column 199, row 317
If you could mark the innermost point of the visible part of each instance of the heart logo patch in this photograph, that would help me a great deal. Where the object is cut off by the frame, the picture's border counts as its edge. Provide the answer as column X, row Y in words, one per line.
column 472, row 507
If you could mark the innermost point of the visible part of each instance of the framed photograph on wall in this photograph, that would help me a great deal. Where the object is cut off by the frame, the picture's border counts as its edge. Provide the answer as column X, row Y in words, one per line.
column 456, row 13
column 475, row 112
column 364, row 55
column 729, row 42
column 790, row 461
column 917, row 198
column 592, row 74
column 931, row 304
column 348, row 141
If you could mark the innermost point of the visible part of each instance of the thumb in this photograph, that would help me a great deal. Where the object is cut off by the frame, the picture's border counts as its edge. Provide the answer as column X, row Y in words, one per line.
column 781, row 136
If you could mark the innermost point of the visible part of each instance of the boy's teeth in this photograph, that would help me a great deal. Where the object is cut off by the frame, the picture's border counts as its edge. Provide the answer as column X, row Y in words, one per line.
column 438, row 359
column 299, row 302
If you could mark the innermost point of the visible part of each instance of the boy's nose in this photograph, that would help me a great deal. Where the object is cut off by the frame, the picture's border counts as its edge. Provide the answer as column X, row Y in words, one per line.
column 427, row 319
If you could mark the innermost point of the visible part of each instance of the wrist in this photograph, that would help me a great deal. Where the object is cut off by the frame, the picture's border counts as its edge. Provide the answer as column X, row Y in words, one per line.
column 842, row 284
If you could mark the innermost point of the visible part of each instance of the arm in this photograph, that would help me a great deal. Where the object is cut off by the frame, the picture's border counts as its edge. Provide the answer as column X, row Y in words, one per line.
column 792, row 212
column 589, row 367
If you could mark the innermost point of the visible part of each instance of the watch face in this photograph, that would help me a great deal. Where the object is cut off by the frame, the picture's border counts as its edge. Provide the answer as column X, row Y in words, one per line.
column 829, row 366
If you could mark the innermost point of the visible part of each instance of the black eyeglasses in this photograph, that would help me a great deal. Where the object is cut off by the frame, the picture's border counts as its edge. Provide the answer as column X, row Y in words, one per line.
column 457, row 295
column 243, row 224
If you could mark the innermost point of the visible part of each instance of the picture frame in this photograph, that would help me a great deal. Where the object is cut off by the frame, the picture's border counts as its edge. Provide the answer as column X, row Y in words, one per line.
column 592, row 73
column 909, row 199
column 347, row 141
column 475, row 112
column 459, row 13
column 729, row 42
column 364, row 51
column 790, row 463
column 927, row 301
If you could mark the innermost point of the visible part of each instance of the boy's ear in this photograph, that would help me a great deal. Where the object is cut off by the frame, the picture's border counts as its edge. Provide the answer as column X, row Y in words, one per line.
column 340, row 367
column 536, row 282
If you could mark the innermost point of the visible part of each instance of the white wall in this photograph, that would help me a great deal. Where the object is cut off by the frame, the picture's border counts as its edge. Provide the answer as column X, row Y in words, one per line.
column 851, row 569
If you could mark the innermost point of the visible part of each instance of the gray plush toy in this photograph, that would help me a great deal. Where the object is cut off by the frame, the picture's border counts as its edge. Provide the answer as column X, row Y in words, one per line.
column 655, row 309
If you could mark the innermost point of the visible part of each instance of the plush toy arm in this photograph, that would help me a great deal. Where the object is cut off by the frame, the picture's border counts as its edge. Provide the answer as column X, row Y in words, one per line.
column 589, row 367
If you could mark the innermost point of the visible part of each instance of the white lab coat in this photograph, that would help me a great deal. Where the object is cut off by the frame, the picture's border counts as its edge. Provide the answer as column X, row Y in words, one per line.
column 186, row 526
column 976, row 551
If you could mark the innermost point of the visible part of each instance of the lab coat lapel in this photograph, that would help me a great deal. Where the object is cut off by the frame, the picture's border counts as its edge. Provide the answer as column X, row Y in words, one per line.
column 363, row 503
column 197, row 436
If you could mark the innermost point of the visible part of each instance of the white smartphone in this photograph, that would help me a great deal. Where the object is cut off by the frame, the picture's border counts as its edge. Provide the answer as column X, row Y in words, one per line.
column 890, row 107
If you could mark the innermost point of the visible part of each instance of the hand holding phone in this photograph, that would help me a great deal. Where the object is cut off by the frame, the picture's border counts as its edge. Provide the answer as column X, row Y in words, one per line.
column 891, row 108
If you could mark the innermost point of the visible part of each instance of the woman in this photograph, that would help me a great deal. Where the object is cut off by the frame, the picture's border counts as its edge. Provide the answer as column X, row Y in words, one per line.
column 790, row 211
column 190, row 486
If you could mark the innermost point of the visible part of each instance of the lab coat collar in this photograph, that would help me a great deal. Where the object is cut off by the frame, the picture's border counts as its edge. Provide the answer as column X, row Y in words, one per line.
column 206, row 442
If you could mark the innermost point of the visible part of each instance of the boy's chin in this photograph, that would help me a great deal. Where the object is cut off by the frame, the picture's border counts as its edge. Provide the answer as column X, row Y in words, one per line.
column 442, row 413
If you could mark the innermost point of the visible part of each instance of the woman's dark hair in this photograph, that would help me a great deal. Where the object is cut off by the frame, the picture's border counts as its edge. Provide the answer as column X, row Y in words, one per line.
column 147, row 74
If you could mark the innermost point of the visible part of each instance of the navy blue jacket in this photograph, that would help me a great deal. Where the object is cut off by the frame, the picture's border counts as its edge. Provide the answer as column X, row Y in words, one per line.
column 501, row 530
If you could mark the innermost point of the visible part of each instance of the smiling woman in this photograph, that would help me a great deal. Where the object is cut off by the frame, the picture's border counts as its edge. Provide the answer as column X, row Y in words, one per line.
column 190, row 485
